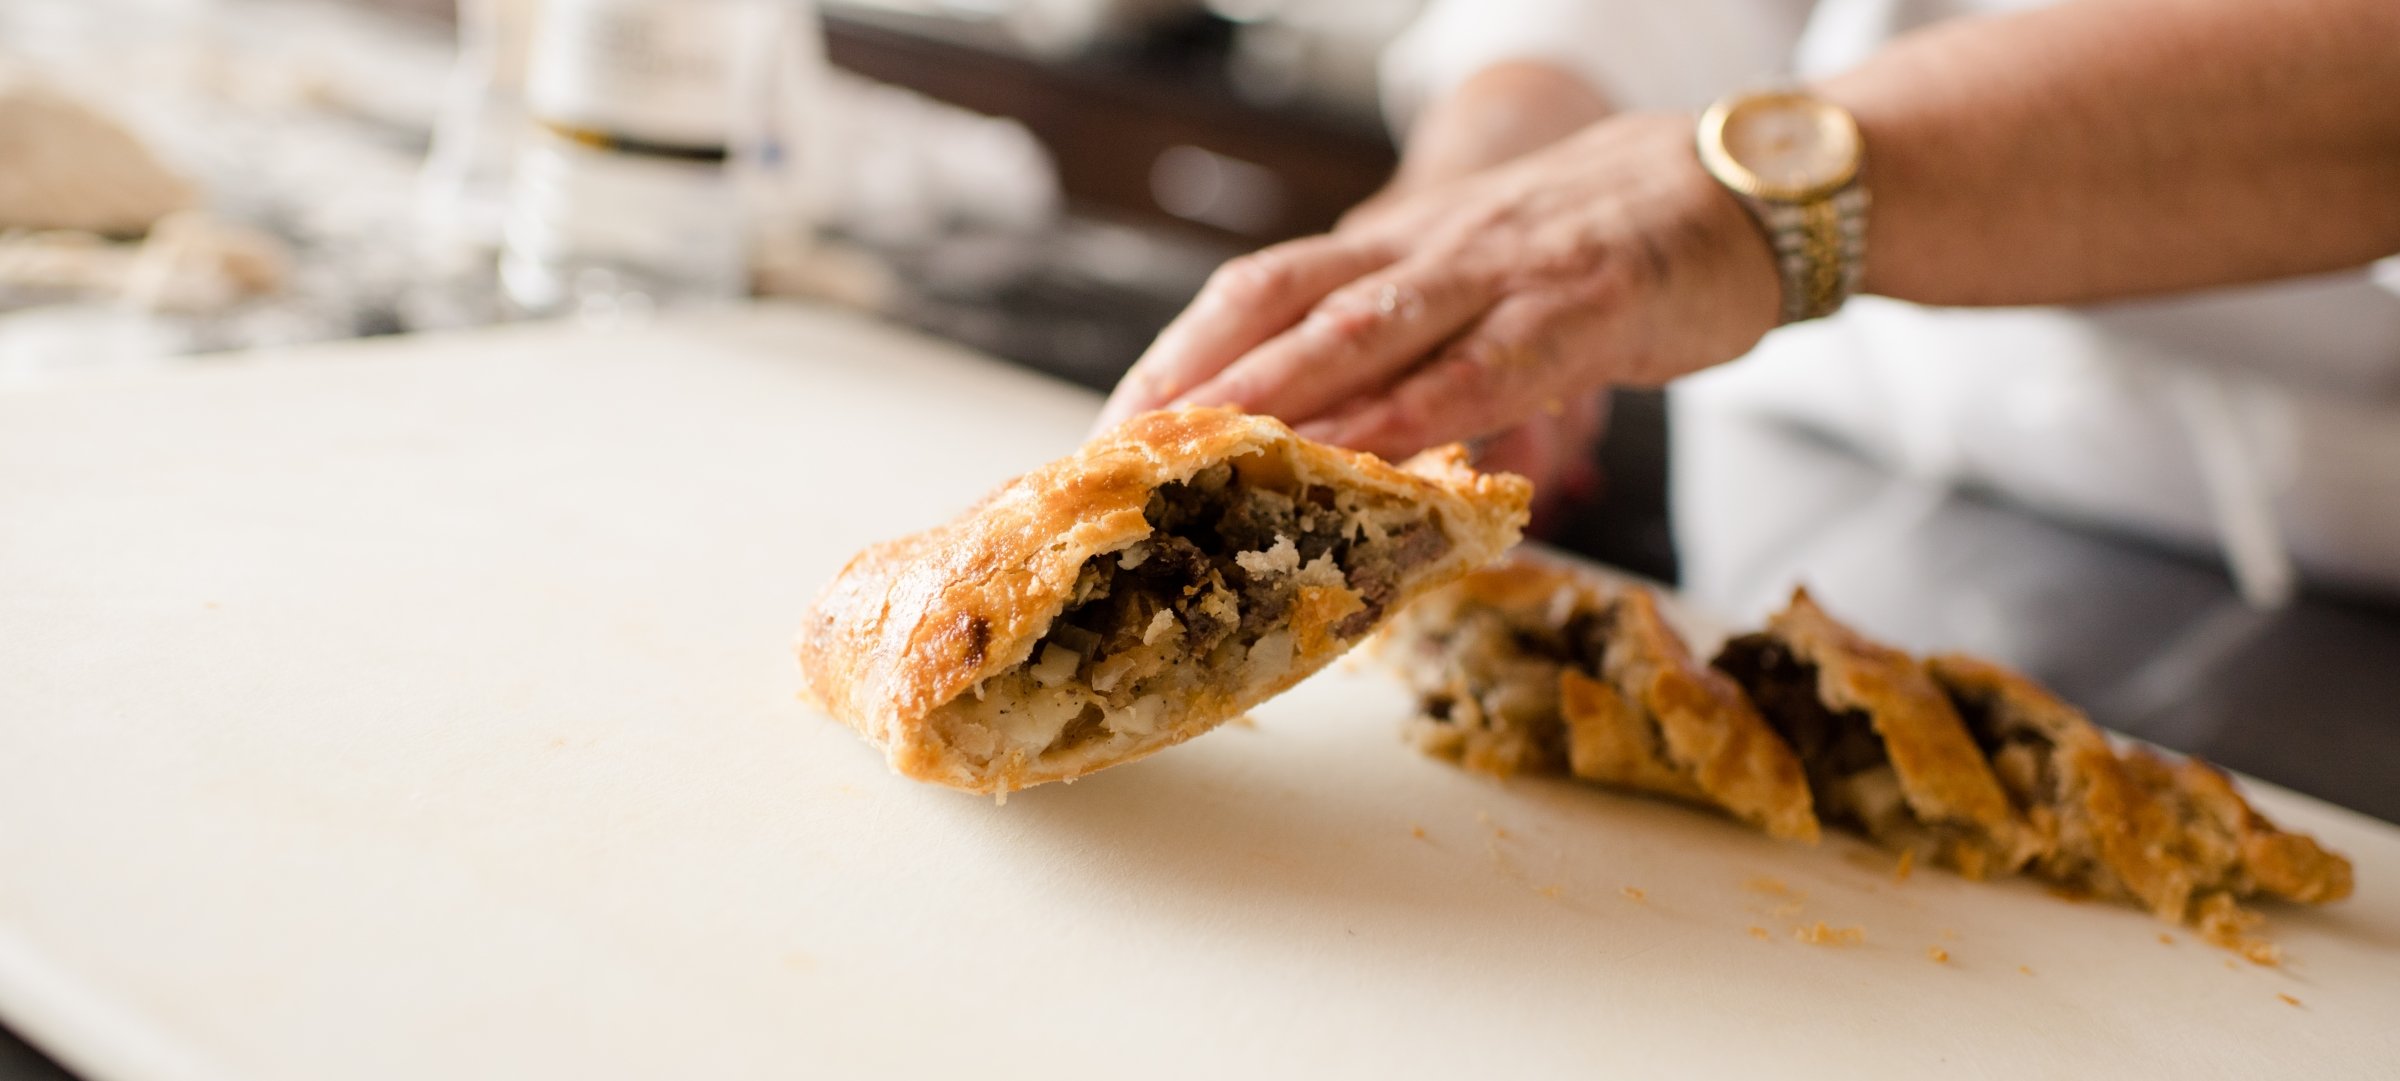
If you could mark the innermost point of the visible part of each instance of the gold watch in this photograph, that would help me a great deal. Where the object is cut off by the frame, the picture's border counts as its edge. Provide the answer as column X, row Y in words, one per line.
column 1793, row 160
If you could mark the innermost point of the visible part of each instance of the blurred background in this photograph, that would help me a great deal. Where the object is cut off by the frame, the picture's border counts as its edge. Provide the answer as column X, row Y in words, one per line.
column 1045, row 179
column 1048, row 181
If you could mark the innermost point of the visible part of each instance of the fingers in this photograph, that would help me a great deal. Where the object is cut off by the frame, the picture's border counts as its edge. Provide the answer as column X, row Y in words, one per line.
column 1537, row 450
column 1529, row 450
column 1494, row 376
column 1359, row 338
column 1246, row 302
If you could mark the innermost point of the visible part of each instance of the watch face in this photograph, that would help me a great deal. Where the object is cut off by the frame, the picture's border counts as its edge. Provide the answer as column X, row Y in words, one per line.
column 1786, row 146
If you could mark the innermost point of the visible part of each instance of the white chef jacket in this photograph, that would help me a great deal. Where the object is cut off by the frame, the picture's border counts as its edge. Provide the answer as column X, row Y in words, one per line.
column 2262, row 422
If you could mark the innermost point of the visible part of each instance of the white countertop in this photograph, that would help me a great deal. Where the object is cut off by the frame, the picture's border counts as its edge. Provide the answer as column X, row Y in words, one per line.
column 422, row 708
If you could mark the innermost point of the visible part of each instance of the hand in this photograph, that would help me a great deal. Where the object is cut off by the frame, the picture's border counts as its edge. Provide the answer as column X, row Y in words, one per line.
column 1459, row 310
column 1497, row 115
column 1558, row 452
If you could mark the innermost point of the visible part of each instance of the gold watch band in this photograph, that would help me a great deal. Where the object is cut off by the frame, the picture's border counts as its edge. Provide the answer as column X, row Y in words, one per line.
column 1794, row 161
column 1819, row 247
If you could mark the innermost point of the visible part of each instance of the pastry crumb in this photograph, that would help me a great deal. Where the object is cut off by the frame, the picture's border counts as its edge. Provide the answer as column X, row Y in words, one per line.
column 1760, row 933
column 1244, row 721
column 1553, row 892
column 2258, row 952
column 1939, row 955
column 1417, row 832
column 2024, row 969
column 1866, row 859
column 1823, row 934
column 1908, row 863
column 2287, row 999
column 2165, row 939
column 1633, row 893
column 1771, row 886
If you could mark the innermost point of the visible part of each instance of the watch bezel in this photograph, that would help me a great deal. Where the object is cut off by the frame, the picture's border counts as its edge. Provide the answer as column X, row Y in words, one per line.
column 1729, row 170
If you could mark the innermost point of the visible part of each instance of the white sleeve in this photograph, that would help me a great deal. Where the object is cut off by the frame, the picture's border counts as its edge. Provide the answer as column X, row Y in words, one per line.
column 1640, row 54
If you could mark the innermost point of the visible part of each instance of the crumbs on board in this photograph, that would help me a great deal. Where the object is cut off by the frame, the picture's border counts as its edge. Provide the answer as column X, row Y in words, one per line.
column 1823, row 934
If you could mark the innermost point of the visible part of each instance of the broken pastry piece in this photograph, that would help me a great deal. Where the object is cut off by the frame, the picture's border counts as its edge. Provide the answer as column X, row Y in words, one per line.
column 1884, row 750
column 1541, row 667
column 1165, row 578
column 2172, row 836
column 1485, row 655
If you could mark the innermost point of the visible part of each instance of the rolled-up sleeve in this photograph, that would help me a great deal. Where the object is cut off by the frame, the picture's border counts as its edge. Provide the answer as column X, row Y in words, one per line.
column 1640, row 54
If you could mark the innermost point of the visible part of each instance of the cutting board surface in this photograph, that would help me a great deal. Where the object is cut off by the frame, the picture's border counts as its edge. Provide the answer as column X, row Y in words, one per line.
column 423, row 709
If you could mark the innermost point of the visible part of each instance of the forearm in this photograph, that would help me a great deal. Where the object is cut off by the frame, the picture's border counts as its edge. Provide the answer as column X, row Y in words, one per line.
column 2108, row 148
column 1501, row 113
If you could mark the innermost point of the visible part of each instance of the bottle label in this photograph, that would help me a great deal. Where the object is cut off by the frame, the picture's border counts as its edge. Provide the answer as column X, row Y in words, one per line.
column 649, row 76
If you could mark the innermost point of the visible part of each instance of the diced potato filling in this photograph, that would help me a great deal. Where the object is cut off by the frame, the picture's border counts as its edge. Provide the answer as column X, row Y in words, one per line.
column 1203, row 603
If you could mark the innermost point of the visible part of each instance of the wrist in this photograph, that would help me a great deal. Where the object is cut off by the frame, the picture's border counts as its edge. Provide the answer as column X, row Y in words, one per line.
column 1742, row 261
column 1500, row 113
column 1711, row 250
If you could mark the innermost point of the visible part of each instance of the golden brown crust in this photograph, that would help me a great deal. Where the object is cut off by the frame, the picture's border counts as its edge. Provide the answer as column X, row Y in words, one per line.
column 1954, row 758
column 1709, row 725
column 2174, row 835
column 912, row 623
column 1942, row 775
column 1651, row 718
column 2289, row 865
column 2086, row 819
column 1610, row 741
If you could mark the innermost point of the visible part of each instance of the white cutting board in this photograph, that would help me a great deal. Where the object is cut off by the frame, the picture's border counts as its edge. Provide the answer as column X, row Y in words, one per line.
column 422, row 709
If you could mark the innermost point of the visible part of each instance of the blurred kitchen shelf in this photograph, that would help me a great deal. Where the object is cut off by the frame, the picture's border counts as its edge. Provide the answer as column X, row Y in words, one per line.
column 1154, row 131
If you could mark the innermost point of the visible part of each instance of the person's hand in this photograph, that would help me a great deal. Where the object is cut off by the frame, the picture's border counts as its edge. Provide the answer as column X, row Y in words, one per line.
column 1497, row 115
column 1457, row 311
column 1559, row 452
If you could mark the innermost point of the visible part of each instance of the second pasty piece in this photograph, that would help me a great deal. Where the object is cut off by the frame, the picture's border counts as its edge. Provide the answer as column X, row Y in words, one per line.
column 2173, row 835
column 1884, row 749
column 1537, row 665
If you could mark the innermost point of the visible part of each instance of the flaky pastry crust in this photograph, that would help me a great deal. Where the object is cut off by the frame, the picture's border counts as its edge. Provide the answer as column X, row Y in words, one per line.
column 911, row 624
column 2173, row 835
column 1631, row 706
column 1941, row 775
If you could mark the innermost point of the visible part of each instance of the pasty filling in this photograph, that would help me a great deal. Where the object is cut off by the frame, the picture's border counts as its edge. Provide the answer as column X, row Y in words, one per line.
column 1850, row 774
column 1202, row 606
column 1498, row 706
